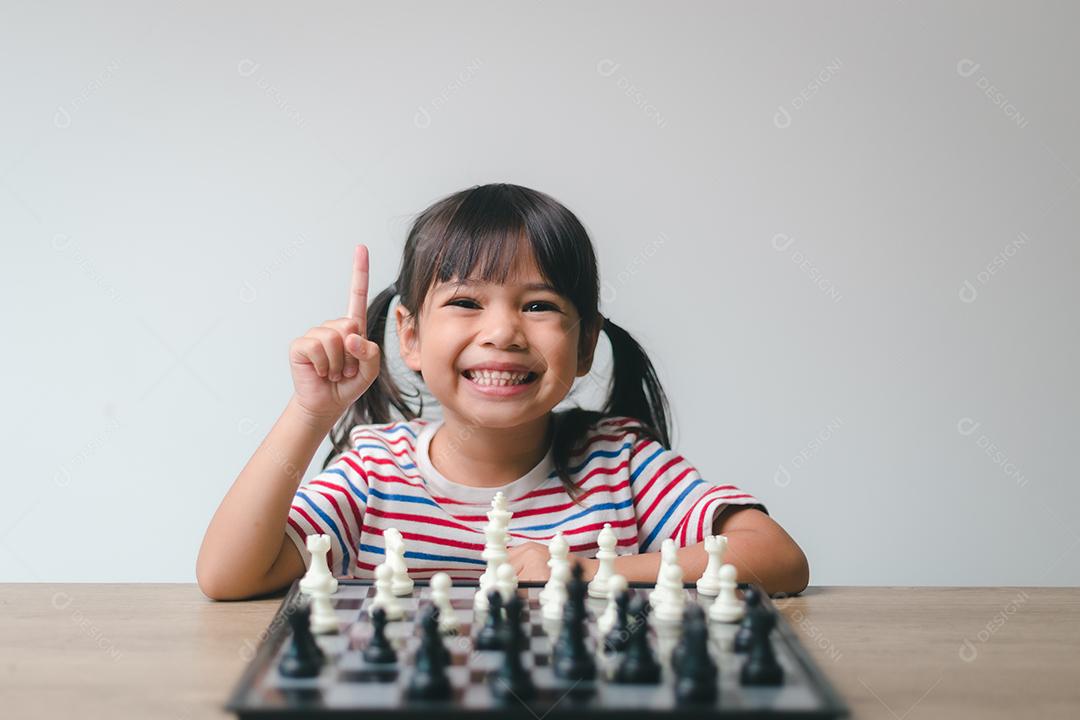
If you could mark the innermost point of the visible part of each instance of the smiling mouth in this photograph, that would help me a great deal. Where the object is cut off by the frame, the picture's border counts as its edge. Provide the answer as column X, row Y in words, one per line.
column 486, row 378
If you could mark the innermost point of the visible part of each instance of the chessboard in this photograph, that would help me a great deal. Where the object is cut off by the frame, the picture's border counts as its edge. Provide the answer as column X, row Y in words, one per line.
column 348, row 685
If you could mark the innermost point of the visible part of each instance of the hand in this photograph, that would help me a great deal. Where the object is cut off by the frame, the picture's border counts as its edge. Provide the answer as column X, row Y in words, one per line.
column 530, row 562
column 334, row 363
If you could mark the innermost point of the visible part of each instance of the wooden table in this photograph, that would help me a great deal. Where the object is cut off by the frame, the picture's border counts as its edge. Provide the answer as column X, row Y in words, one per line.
column 165, row 651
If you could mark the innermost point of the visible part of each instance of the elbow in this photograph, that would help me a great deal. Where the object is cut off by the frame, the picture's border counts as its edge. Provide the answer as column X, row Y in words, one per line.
column 216, row 585
column 795, row 575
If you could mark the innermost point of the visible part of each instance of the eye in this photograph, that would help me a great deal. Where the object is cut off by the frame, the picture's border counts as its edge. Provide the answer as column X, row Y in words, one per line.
column 543, row 305
column 461, row 302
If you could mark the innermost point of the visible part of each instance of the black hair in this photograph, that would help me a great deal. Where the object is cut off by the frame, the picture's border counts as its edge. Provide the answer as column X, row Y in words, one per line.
column 482, row 229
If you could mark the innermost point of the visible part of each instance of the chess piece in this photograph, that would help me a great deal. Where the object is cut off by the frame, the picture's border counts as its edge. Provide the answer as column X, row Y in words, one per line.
column 605, row 568
column 323, row 618
column 429, row 679
column 616, row 585
column 559, row 556
column 379, row 650
column 695, row 670
column 512, row 681
column 619, row 635
column 303, row 658
column 670, row 609
column 506, row 581
column 752, row 600
column 727, row 607
column 490, row 635
column 552, row 608
column 318, row 575
column 571, row 659
column 401, row 584
column 495, row 553
column 761, row 667
column 693, row 621
column 668, row 557
column 384, row 595
column 440, row 595
column 709, row 582
column 638, row 664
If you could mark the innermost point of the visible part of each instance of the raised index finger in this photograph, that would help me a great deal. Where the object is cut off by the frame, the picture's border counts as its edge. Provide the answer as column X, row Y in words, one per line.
column 358, row 291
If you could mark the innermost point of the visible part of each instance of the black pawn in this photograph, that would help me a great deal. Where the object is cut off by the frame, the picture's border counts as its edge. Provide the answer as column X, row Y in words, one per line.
column 693, row 622
column 752, row 598
column 572, row 660
column 512, row 680
column 761, row 667
column 695, row 671
column 490, row 635
column 615, row 642
column 303, row 658
column 379, row 650
column 638, row 664
column 429, row 679
column 429, row 623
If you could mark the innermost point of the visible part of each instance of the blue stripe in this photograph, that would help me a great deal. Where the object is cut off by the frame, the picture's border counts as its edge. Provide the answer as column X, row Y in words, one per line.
column 664, row 519
column 403, row 498
column 333, row 526
column 600, row 453
column 583, row 513
column 424, row 556
column 633, row 475
column 355, row 490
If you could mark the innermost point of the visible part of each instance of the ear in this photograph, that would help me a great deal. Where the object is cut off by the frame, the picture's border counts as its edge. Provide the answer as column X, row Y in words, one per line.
column 588, row 349
column 408, row 338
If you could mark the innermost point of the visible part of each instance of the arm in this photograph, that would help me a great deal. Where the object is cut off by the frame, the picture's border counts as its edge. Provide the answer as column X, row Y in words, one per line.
column 245, row 551
column 761, row 551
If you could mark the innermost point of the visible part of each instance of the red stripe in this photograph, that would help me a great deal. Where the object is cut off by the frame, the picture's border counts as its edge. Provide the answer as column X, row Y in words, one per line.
column 434, row 540
column 357, row 515
column 639, row 496
column 318, row 528
column 550, row 508
column 423, row 519
column 341, row 517
column 369, row 435
column 660, row 496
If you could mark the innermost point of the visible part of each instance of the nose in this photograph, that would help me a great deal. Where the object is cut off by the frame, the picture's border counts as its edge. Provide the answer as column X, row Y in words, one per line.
column 502, row 328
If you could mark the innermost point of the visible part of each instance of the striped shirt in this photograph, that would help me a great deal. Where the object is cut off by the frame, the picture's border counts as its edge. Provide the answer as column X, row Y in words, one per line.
column 387, row 480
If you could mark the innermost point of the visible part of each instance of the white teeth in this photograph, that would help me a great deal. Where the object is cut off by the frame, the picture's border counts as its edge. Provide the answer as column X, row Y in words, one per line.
column 497, row 378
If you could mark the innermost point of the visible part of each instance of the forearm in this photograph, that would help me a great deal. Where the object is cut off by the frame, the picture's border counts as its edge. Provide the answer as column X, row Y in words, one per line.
column 246, row 533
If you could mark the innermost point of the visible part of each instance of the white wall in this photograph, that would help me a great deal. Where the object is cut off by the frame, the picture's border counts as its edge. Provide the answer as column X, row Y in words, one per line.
column 788, row 200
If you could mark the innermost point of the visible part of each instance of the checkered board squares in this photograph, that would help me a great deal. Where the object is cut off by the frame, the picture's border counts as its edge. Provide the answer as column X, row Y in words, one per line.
column 348, row 684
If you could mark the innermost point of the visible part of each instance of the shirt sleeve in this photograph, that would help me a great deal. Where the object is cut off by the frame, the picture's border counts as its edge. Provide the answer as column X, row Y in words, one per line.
column 672, row 500
column 332, row 503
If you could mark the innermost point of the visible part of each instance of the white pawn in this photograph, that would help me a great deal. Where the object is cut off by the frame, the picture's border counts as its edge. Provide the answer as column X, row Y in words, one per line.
column 384, row 594
column 401, row 584
column 598, row 588
column 667, row 557
column 552, row 609
column 559, row 552
column 506, row 581
column 727, row 607
column 616, row 586
column 709, row 582
column 318, row 576
column 671, row 609
column 440, row 597
column 323, row 620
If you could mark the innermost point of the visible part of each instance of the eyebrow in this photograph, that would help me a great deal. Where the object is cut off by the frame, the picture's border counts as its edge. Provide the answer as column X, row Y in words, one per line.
column 528, row 286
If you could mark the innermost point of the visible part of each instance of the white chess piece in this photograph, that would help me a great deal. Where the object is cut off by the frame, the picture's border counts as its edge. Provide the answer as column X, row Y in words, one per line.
column 559, row 555
column 507, row 581
column 318, row 576
column 500, row 512
column 495, row 552
column 552, row 609
column 440, row 597
column 727, row 607
column 670, row 610
column 384, row 594
column 605, row 569
column 616, row 586
column 709, row 582
column 401, row 584
column 323, row 620
column 668, row 557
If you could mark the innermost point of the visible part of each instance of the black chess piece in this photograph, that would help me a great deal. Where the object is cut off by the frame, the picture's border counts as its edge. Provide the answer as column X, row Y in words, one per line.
column 638, row 663
column 490, row 635
column 429, row 679
column 695, row 670
column 693, row 622
column 379, row 649
column 616, row 639
column 761, row 667
column 303, row 658
column 512, row 681
column 752, row 598
column 429, row 622
column 572, row 660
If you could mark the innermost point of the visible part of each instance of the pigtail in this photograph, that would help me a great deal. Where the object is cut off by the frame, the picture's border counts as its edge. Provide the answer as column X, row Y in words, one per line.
column 635, row 392
column 373, row 407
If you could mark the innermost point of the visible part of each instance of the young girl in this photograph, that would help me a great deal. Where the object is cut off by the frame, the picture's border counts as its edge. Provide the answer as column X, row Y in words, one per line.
column 497, row 314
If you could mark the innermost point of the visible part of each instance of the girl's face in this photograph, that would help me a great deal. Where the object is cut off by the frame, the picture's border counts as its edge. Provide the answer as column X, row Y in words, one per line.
column 464, row 328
